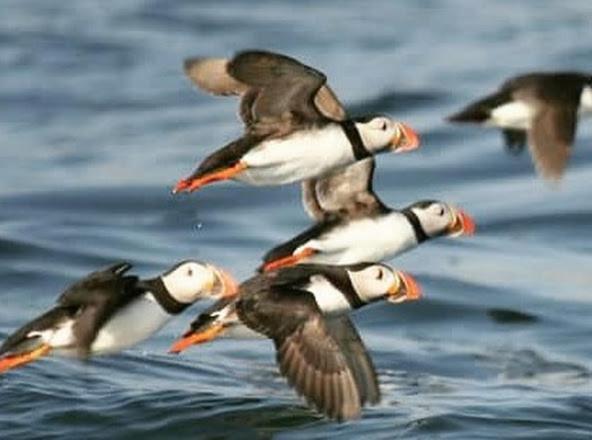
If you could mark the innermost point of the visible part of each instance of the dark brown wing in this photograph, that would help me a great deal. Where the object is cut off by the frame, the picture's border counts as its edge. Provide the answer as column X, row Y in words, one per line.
column 307, row 354
column 555, row 97
column 345, row 334
column 347, row 192
column 97, row 297
column 286, row 88
column 329, row 105
column 274, row 88
column 211, row 75
column 550, row 139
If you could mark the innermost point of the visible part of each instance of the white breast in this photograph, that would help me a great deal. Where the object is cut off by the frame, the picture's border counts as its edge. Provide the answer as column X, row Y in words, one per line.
column 302, row 155
column 131, row 325
column 366, row 239
column 515, row 114
column 329, row 299
column 134, row 323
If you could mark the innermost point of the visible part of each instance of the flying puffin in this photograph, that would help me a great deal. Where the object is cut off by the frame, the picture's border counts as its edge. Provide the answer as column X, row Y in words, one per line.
column 540, row 109
column 291, row 129
column 304, row 311
column 353, row 224
column 108, row 311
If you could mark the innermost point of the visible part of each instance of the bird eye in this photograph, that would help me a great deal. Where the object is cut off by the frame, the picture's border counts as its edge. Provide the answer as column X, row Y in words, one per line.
column 189, row 272
column 380, row 274
column 383, row 127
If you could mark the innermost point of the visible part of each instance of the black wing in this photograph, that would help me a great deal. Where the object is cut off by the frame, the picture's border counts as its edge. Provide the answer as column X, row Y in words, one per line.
column 347, row 192
column 480, row 110
column 97, row 297
column 25, row 340
column 307, row 354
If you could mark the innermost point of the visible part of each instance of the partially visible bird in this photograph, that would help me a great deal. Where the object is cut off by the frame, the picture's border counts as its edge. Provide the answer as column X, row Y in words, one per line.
column 294, row 126
column 538, row 109
column 108, row 311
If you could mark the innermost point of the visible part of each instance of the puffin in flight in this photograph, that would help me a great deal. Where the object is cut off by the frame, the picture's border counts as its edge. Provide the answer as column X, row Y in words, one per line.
column 538, row 109
column 109, row 310
column 304, row 311
column 353, row 224
column 290, row 130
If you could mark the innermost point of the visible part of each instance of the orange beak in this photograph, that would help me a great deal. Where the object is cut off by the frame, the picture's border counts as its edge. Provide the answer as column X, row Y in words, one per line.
column 463, row 224
column 406, row 139
column 405, row 289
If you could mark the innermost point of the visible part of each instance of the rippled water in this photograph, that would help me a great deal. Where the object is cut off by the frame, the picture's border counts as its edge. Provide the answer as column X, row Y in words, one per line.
column 98, row 122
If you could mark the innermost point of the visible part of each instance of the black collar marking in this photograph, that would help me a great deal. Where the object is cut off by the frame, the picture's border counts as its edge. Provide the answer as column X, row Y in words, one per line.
column 420, row 233
column 354, row 138
column 341, row 281
column 162, row 295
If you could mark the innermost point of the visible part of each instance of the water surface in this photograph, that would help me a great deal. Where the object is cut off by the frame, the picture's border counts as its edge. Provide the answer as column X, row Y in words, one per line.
column 98, row 122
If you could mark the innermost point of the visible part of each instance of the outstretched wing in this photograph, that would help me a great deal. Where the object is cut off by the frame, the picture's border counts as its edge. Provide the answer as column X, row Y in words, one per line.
column 307, row 353
column 274, row 88
column 25, row 339
column 550, row 139
column 347, row 192
column 345, row 334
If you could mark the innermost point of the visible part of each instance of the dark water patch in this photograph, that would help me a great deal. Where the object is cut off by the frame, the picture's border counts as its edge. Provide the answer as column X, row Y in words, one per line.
column 507, row 316
column 530, row 366
column 393, row 101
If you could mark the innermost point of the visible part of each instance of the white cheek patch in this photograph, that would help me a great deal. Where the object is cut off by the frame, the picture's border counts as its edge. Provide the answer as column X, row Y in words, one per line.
column 297, row 157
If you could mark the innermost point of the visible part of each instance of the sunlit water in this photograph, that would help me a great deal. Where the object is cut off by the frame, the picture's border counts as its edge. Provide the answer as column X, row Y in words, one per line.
column 98, row 122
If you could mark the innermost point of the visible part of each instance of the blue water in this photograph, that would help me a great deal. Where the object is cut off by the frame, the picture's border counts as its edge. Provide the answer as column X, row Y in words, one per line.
column 97, row 122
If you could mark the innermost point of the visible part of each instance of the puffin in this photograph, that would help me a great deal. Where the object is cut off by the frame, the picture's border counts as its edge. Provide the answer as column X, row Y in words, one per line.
column 354, row 225
column 304, row 311
column 109, row 310
column 540, row 109
column 291, row 132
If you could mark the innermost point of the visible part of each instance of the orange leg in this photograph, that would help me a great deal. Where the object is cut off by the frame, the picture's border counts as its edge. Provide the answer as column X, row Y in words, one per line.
column 290, row 260
column 10, row 362
column 190, row 339
column 191, row 185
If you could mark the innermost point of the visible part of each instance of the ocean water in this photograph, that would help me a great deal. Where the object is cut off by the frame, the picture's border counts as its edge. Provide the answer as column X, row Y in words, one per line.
column 97, row 122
